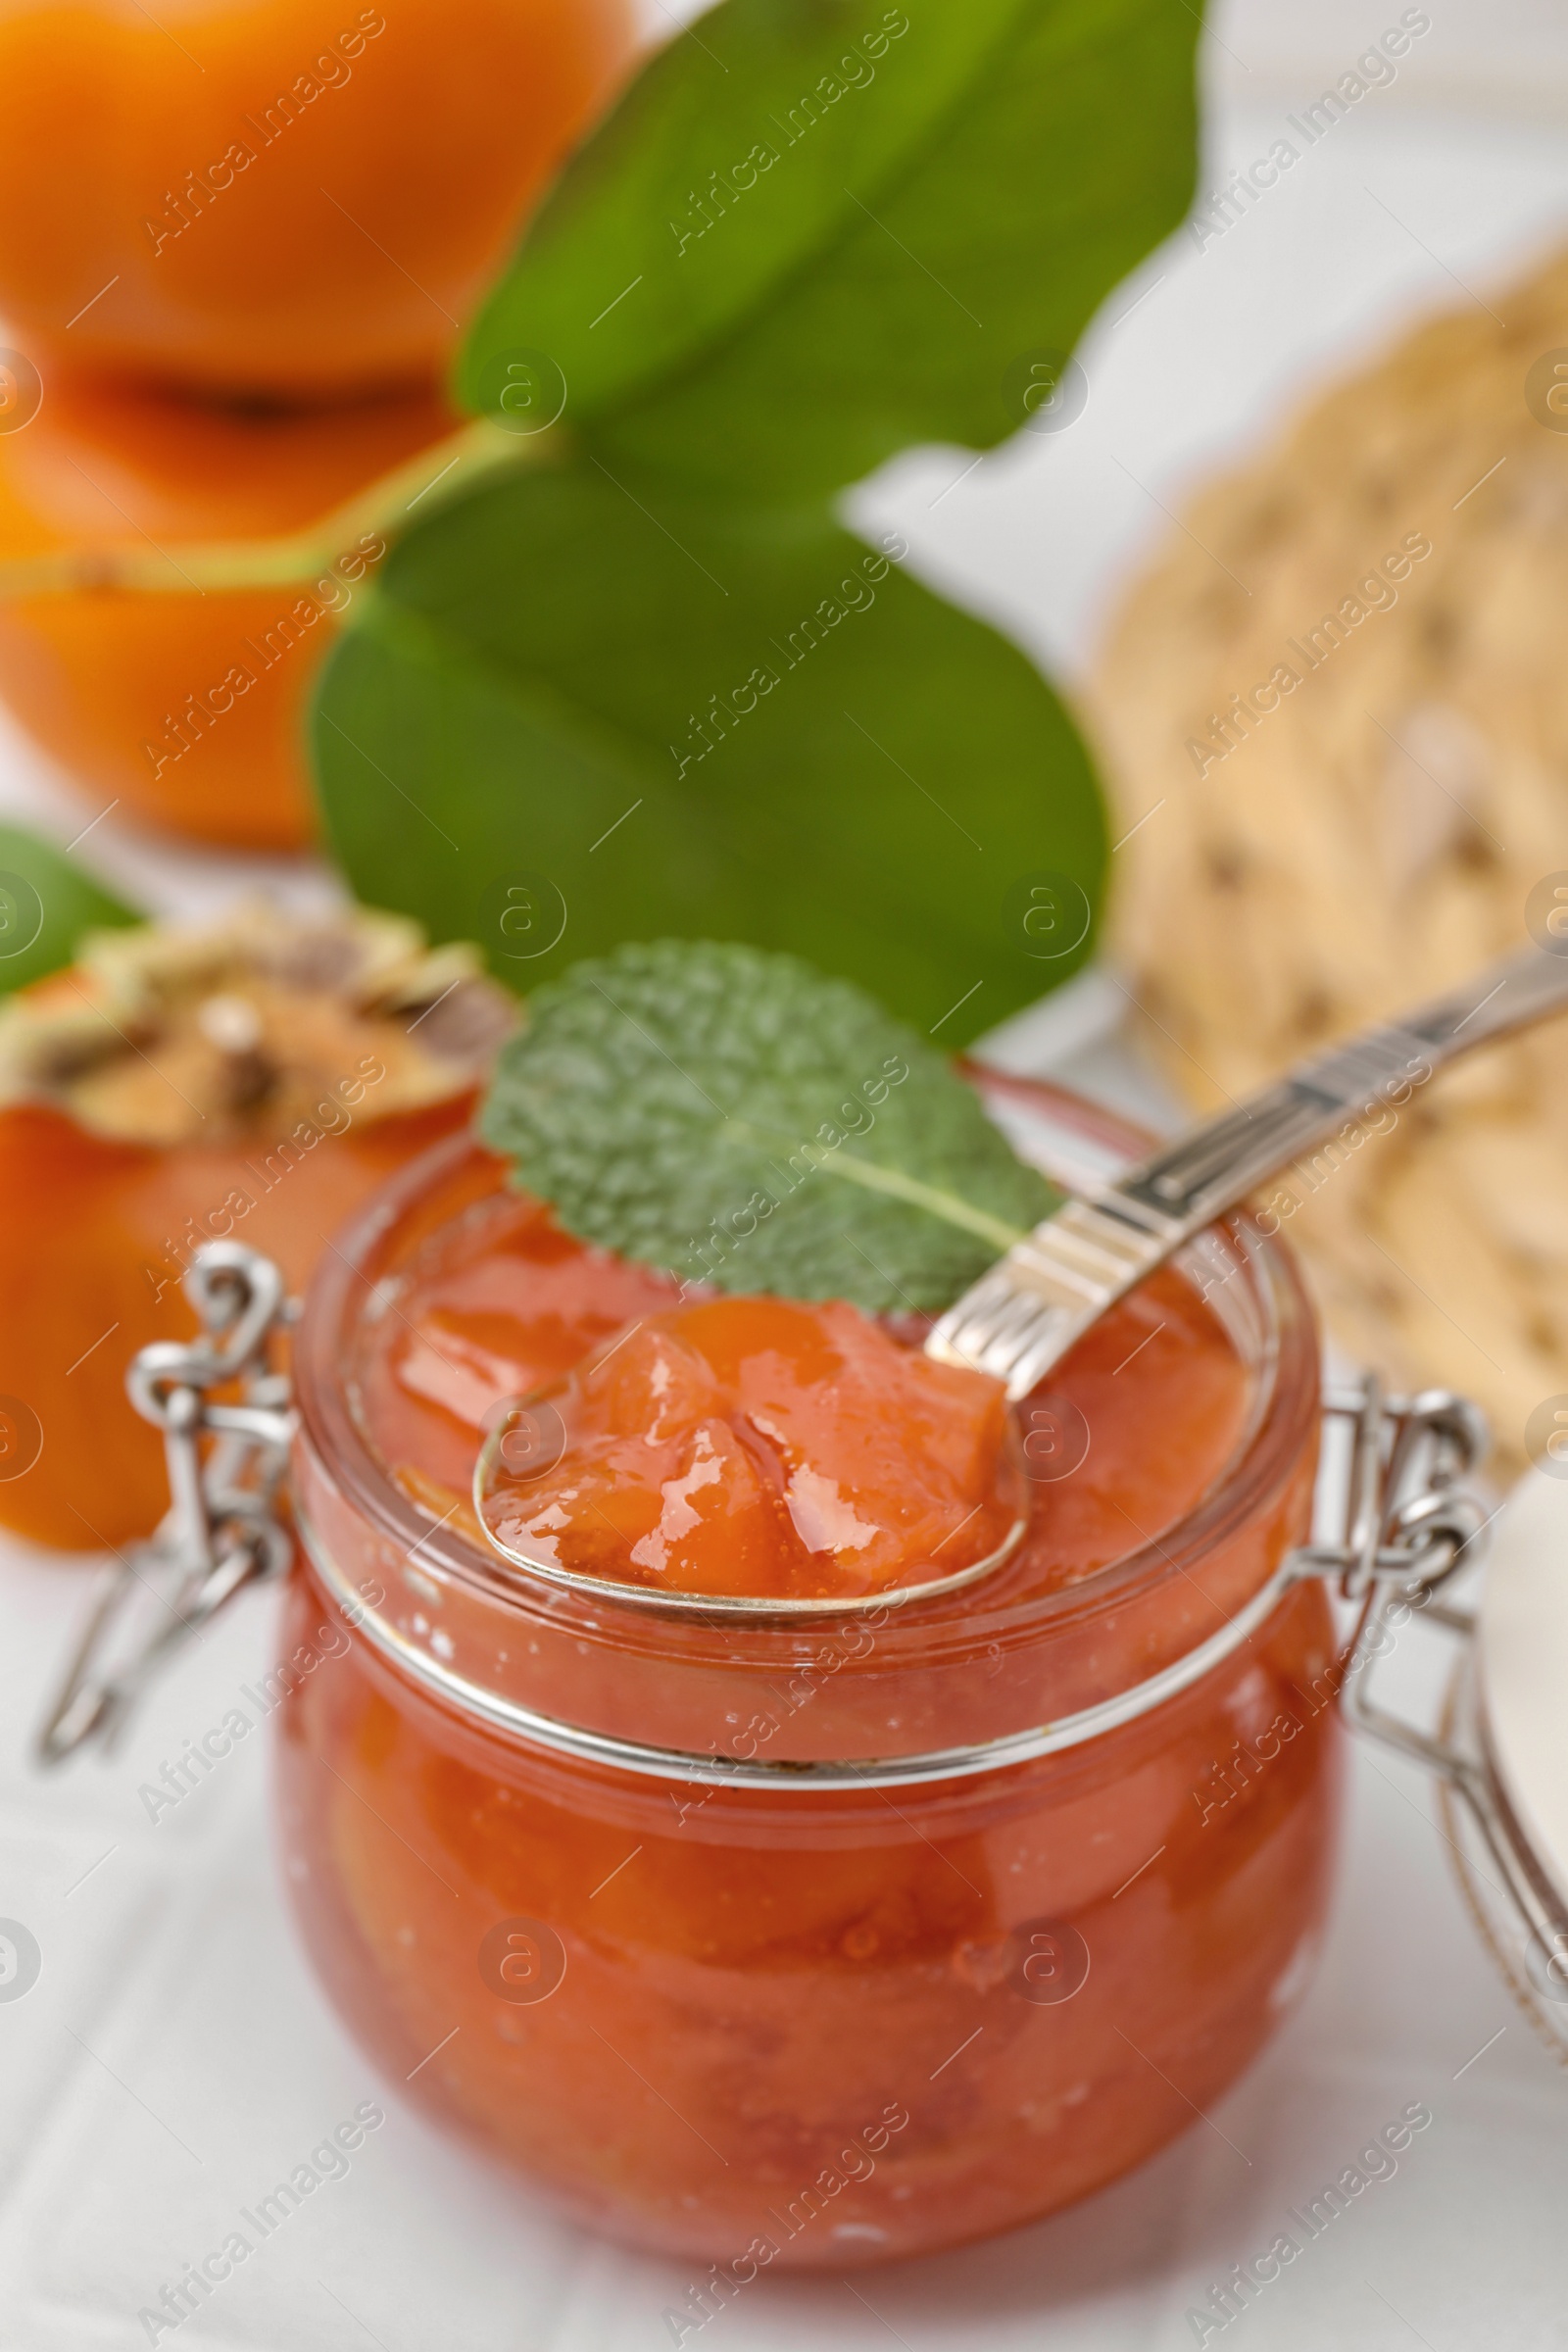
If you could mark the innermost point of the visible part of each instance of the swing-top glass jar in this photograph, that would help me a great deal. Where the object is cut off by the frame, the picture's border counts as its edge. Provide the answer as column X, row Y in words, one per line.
column 822, row 1944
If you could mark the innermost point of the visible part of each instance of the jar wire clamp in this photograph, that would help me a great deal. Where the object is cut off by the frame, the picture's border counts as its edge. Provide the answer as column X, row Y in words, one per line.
column 1427, row 1533
column 223, row 1530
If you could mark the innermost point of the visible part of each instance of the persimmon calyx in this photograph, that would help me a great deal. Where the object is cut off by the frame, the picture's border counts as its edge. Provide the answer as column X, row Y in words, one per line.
column 167, row 1035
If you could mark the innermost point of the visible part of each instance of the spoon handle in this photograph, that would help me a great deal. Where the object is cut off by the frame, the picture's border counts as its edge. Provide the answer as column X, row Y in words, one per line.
column 1023, row 1315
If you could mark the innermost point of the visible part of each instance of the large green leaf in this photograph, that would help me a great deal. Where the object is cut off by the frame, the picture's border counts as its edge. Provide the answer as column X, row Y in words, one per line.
column 649, row 687
column 945, row 203
column 511, row 746
column 47, row 901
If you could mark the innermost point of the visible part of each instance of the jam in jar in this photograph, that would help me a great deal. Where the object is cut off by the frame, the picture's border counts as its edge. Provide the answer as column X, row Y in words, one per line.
column 802, row 1942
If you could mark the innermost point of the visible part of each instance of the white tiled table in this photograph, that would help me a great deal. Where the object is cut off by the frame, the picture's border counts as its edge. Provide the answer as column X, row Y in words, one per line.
column 175, row 2059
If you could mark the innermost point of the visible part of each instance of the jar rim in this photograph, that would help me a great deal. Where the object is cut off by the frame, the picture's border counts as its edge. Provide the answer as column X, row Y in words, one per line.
column 1280, row 1425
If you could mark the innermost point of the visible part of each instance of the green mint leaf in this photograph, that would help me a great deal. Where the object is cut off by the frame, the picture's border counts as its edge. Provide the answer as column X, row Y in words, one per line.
column 47, row 901
column 817, row 232
column 574, row 713
column 737, row 1118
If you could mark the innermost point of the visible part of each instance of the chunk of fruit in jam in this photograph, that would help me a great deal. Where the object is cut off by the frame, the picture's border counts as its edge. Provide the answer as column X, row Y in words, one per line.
column 762, row 1447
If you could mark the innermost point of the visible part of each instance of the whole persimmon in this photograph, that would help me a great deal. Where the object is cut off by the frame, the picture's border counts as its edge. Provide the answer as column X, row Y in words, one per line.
column 295, row 196
column 186, row 708
column 254, row 1079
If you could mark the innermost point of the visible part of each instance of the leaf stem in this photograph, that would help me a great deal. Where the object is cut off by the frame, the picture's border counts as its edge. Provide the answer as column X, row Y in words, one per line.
column 466, row 455
column 928, row 1196
column 931, row 1197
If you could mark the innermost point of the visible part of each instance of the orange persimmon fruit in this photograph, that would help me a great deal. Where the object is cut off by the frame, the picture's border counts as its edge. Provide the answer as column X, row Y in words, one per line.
column 295, row 196
column 186, row 708
column 254, row 1079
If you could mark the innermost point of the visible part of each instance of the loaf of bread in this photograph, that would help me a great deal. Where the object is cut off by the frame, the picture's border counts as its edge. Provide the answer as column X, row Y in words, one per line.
column 1343, row 693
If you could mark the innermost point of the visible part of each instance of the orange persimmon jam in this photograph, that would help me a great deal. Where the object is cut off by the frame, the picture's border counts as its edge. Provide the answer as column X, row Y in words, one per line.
column 764, row 1449
column 772, row 1942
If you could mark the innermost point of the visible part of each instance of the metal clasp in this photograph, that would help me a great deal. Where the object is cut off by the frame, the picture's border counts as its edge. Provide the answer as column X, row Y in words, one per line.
column 1404, row 1524
column 222, row 1530
column 1394, row 1519
column 1408, row 1528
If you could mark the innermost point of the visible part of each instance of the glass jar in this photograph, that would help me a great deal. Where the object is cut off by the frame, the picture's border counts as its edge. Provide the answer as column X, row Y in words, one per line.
column 770, row 1945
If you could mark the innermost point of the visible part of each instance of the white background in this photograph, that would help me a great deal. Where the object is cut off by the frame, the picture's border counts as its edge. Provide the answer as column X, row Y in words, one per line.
column 175, row 2058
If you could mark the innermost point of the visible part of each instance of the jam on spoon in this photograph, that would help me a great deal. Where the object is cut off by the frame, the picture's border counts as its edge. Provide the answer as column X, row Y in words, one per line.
column 756, row 1447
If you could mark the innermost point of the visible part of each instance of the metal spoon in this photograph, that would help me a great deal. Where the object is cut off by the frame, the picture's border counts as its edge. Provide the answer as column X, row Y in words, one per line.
column 1023, row 1315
